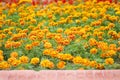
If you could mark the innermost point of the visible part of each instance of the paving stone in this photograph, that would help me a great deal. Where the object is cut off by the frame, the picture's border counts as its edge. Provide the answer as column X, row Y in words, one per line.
column 98, row 75
column 60, row 75
column 4, row 75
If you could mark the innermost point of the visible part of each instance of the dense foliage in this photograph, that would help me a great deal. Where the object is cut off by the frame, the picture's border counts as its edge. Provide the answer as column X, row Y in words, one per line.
column 60, row 36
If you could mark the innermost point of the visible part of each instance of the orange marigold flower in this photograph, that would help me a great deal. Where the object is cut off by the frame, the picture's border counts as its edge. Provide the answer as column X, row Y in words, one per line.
column 16, row 44
column 1, row 58
column 1, row 52
column 93, row 51
column 35, row 43
column 14, row 54
column 33, row 37
column 4, row 65
column 92, row 42
column 15, row 63
column 34, row 60
column 47, row 63
column 93, row 64
column 109, row 61
column 77, row 60
column 8, row 45
column 28, row 47
column 60, row 48
column 66, row 42
column 100, row 66
column 61, row 64
column 59, row 30
column 48, row 45
column 11, row 59
column 24, row 59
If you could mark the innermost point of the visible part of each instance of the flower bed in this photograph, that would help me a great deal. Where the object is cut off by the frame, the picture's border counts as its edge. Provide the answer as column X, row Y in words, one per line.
column 60, row 36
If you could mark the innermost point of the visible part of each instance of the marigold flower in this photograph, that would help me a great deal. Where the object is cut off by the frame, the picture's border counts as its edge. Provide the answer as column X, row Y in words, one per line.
column 1, row 58
column 92, row 42
column 112, row 47
column 34, row 60
column 11, row 59
column 93, row 64
column 1, row 52
column 24, row 59
column 48, row 45
column 60, row 48
column 61, row 64
column 4, row 65
column 109, row 61
column 77, row 60
column 93, row 51
column 16, row 44
column 8, row 45
column 59, row 30
column 47, row 64
column 53, row 53
column 66, row 42
column 100, row 66
column 14, row 54
column 35, row 43
column 28, row 47
column 16, row 63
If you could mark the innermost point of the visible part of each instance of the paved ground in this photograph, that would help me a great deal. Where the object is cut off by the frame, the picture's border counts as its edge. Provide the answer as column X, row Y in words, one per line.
column 61, row 75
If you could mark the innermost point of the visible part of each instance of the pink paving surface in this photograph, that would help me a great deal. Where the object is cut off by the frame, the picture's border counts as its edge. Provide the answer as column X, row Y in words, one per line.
column 60, row 75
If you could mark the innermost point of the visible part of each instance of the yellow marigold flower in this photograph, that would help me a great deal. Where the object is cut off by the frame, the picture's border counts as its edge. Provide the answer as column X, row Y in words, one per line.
column 53, row 53
column 24, row 59
column 28, row 47
column 35, row 43
column 111, row 53
column 34, row 60
column 109, row 61
column 93, row 64
column 67, row 57
column 14, row 54
column 47, row 51
column 77, row 60
column 49, row 35
column 100, row 66
column 11, row 59
column 33, row 38
column 111, row 25
column 4, row 65
column 93, row 51
column 10, row 33
column 61, row 64
column 66, row 42
column 86, row 62
column 16, row 63
column 102, row 45
column 16, row 44
column 84, row 19
column 92, row 42
column 59, row 30
column 118, row 49
column 47, row 64
column 77, row 21
column 112, row 47
column 60, row 48
column 48, row 45
column 1, row 58
column 1, row 52
column 2, row 36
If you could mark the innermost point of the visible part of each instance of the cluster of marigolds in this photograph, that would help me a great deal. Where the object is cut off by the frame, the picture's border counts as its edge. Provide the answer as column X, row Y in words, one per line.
column 45, row 36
